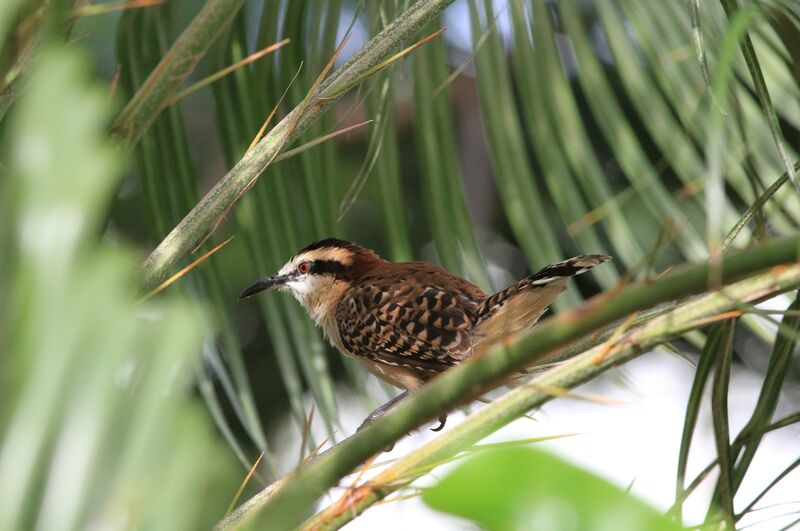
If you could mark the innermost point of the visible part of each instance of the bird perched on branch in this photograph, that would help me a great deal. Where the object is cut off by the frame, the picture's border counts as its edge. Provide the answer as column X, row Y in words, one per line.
column 408, row 322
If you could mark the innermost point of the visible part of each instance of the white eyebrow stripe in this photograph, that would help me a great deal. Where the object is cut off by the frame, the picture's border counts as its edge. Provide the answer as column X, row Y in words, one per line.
column 343, row 256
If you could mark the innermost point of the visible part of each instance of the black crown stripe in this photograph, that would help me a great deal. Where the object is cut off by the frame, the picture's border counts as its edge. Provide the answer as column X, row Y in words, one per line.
column 330, row 243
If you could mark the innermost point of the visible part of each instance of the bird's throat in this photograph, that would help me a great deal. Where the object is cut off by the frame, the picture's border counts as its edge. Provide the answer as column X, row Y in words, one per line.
column 321, row 307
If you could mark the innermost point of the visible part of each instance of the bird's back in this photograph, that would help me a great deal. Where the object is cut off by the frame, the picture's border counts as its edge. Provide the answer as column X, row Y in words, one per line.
column 413, row 317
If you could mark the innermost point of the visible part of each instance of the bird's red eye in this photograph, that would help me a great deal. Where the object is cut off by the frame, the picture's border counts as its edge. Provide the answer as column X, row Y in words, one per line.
column 303, row 267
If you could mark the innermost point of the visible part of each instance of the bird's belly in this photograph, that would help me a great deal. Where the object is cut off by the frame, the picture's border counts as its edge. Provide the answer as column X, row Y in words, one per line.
column 402, row 377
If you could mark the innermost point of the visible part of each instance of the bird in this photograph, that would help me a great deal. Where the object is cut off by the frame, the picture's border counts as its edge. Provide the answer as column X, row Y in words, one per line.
column 409, row 322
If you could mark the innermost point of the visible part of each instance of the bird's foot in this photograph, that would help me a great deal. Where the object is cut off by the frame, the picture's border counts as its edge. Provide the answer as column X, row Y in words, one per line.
column 381, row 411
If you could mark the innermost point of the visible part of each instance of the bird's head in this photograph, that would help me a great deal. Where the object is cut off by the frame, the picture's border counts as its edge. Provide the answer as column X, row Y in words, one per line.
column 320, row 271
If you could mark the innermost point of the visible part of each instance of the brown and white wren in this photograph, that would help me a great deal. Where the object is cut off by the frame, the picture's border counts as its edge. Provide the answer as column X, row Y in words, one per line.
column 406, row 323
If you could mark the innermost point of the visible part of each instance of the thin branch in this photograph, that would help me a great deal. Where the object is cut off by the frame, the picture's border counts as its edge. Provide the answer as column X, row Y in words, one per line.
column 216, row 76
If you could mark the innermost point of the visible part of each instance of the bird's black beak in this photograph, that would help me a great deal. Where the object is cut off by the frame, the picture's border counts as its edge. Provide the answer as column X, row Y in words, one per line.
column 261, row 285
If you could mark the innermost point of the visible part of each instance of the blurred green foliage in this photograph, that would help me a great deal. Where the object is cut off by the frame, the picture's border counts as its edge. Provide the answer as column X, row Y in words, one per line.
column 98, row 427
column 525, row 488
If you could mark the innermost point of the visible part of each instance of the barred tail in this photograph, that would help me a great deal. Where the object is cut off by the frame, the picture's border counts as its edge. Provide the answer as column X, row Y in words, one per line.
column 568, row 268
column 519, row 306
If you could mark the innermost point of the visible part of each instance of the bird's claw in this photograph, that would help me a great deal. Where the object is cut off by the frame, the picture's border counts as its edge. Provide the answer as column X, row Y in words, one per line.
column 442, row 422
column 379, row 412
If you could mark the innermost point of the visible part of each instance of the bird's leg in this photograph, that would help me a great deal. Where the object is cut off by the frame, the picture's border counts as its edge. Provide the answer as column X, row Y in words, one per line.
column 379, row 412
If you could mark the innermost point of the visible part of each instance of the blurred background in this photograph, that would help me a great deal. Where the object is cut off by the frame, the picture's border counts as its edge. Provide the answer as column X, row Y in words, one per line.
column 529, row 131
